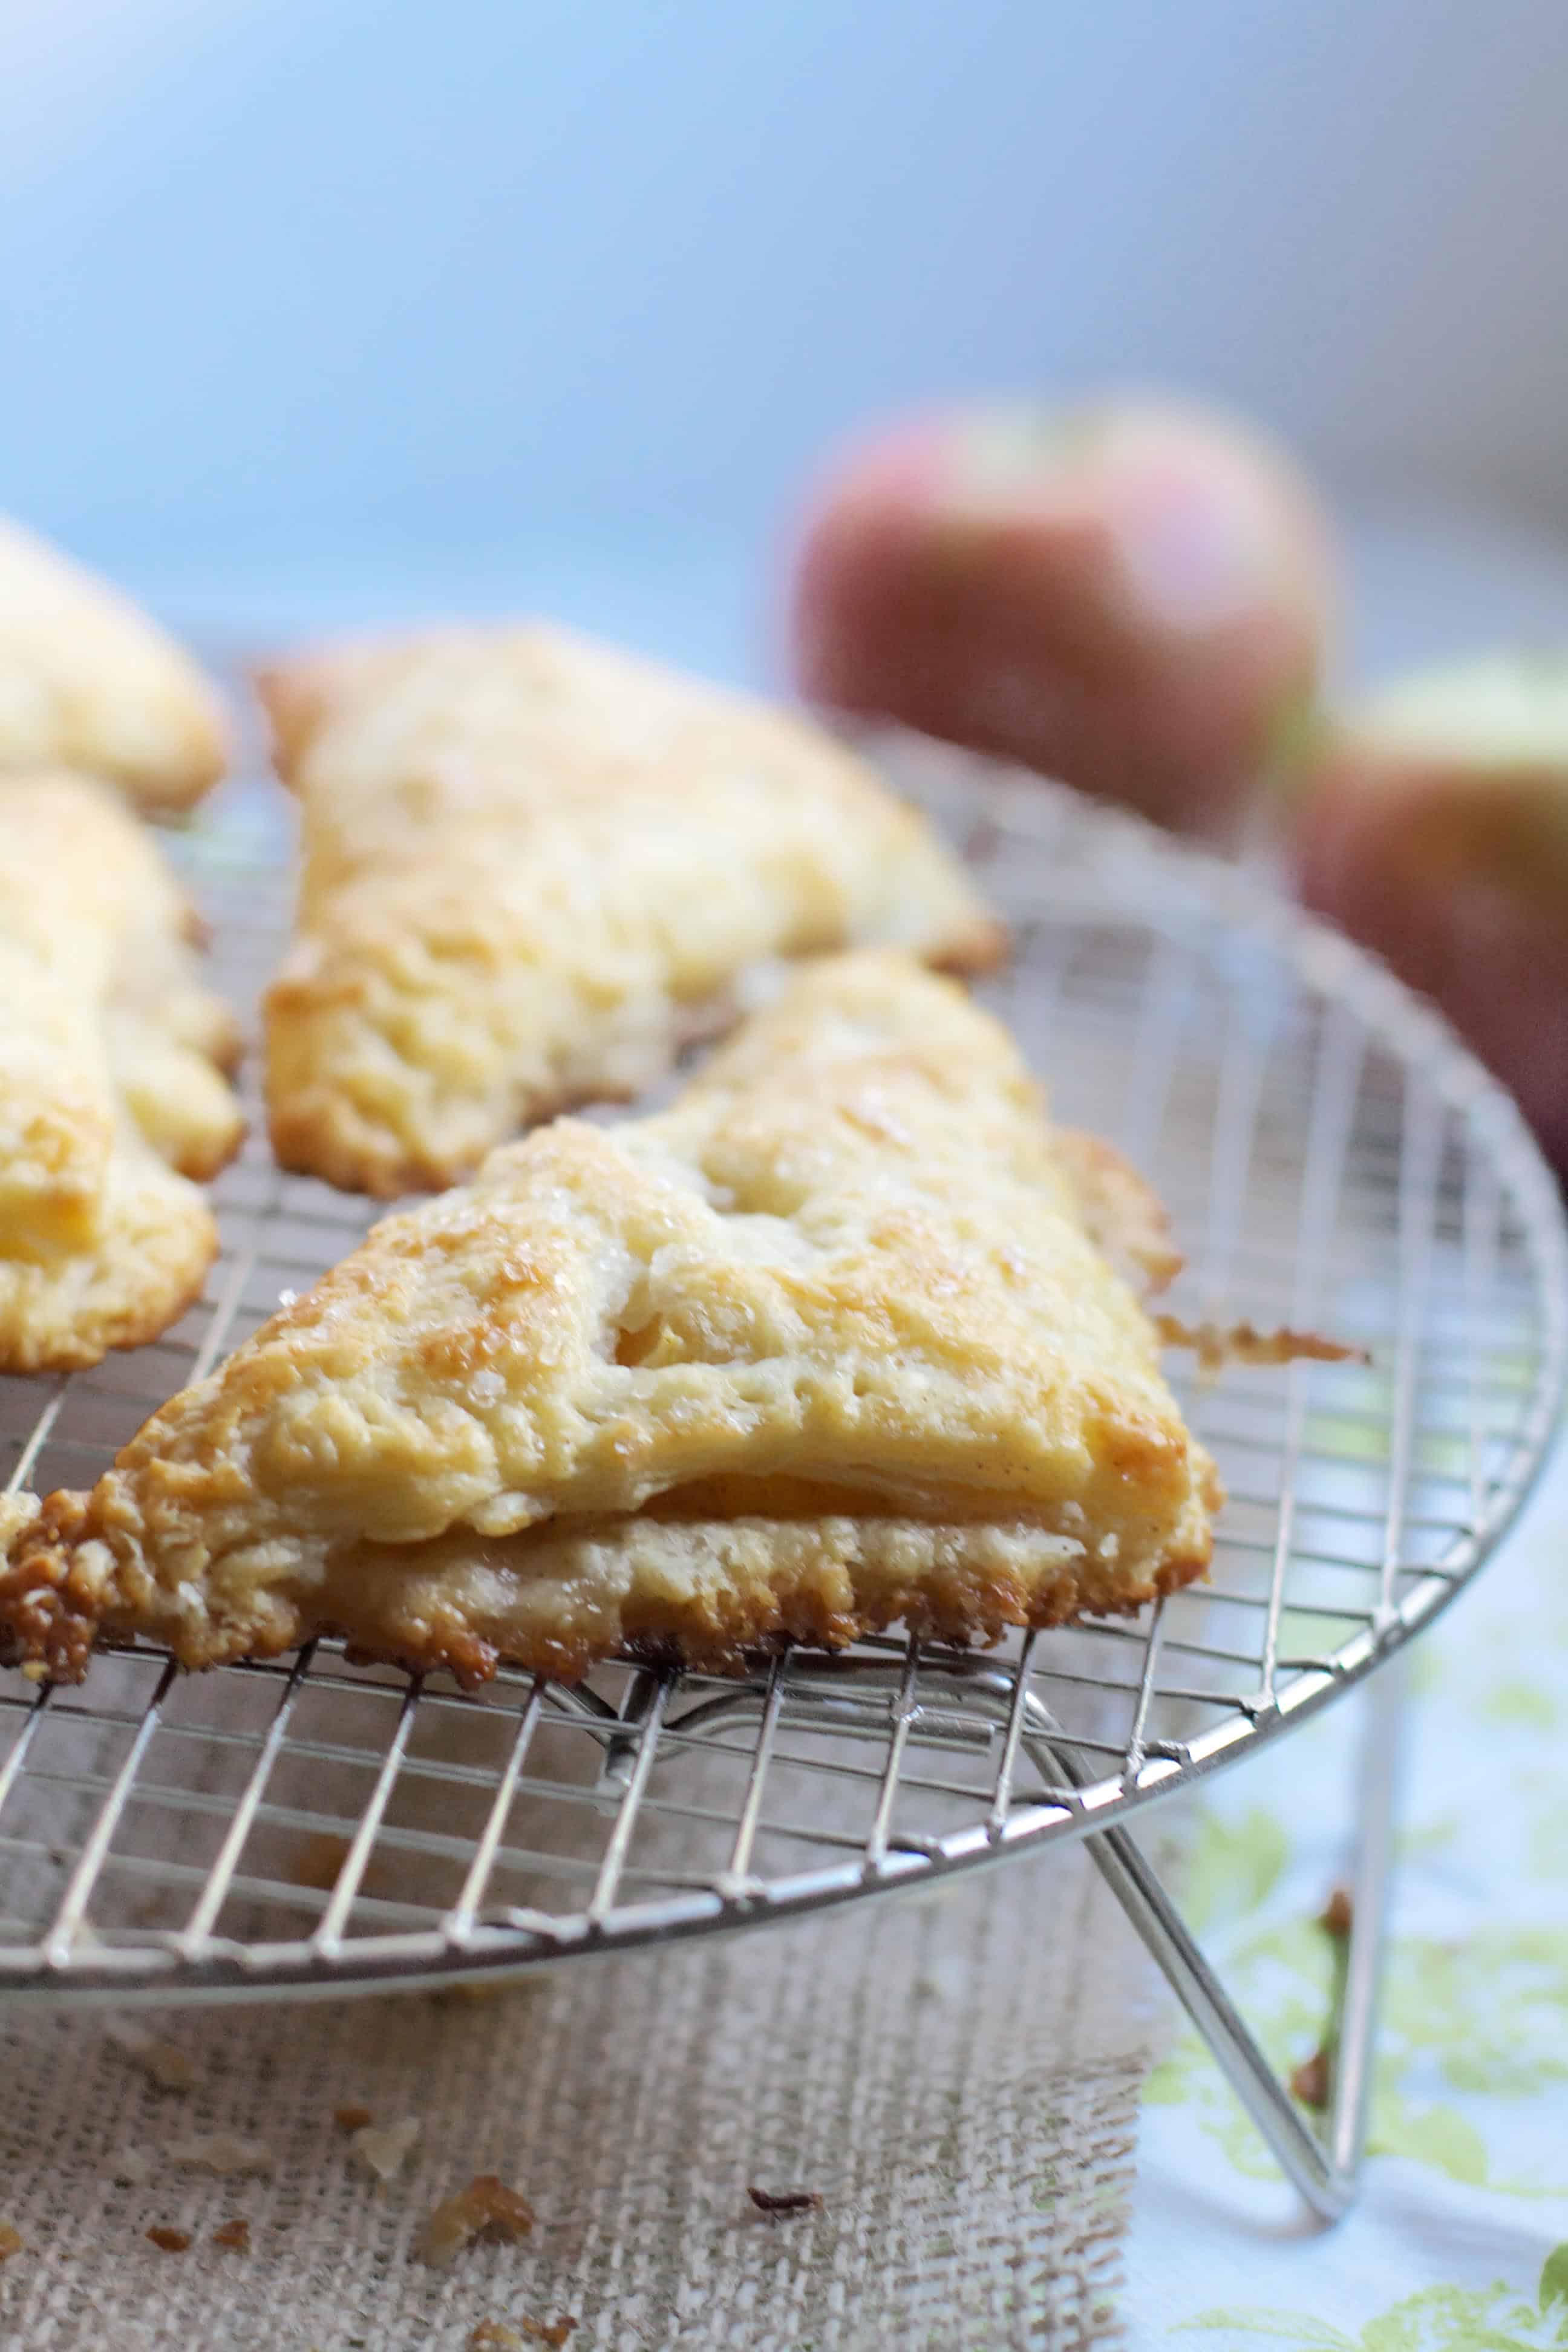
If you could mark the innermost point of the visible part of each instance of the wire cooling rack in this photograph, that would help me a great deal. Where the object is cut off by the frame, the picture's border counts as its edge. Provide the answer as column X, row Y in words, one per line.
column 1331, row 1159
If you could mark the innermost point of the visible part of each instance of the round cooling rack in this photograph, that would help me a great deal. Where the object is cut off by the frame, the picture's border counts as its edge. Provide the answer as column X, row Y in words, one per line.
column 1331, row 1161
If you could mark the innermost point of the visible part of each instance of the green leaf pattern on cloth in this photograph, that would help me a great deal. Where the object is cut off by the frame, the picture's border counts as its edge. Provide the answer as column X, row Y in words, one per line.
column 1436, row 2319
column 1485, row 2015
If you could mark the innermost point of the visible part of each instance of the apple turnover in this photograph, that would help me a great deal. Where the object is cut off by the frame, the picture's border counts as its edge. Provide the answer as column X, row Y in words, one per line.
column 824, row 1347
column 531, row 869
column 112, row 1093
column 89, row 683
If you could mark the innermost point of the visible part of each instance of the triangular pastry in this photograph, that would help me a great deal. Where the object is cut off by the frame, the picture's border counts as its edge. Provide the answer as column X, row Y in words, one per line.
column 112, row 1096
column 825, row 1346
column 532, row 868
column 88, row 682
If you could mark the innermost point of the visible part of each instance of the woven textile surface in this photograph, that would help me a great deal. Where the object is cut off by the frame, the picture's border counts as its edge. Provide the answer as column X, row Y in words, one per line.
column 957, row 2077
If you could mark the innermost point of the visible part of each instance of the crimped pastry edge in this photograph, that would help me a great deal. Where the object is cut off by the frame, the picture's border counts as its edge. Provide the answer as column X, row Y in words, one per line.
column 769, row 1584
column 80, row 1352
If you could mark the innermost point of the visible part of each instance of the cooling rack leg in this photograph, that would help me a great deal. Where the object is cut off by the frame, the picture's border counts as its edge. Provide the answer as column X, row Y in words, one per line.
column 1324, row 2169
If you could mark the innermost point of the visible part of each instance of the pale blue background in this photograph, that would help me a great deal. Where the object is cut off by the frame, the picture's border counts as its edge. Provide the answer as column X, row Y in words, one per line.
column 403, row 302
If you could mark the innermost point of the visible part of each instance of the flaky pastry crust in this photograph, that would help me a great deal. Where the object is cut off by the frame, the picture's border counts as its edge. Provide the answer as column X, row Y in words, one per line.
column 89, row 683
column 825, row 1346
column 531, row 869
column 112, row 1096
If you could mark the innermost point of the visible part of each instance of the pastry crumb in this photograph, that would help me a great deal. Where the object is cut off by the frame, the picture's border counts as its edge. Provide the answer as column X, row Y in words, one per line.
column 235, row 2233
column 468, row 1989
column 383, row 2150
column 353, row 2118
column 486, row 2208
column 789, row 2200
column 320, row 1860
column 167, row 2241
column 161, row 2062
column 1338, row 1913
column 1242, row 1343
column 1310, row 2081
column 11, row 2242
column 222, row 2152
column 500, row 2335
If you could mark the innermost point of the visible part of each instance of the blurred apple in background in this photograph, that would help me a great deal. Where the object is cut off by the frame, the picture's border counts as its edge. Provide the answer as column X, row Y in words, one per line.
column 1134, row 596
column 1434, row 828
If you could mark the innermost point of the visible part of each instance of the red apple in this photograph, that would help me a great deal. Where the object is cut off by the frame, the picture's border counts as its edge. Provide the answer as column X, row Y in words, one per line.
column 1134, row 597
column 1434, row 828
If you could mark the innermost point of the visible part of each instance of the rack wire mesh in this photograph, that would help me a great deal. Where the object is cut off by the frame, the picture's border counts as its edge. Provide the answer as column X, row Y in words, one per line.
column 1331, row 1159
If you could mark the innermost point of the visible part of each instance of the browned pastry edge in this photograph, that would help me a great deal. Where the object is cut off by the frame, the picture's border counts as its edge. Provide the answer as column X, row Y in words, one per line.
column 132, row 1333
column 1122, row 1213
column 48, row 1607
column 297, row 691
column 202, row 1170
column 982, row 948
column 292, row 710
column 227, row 1056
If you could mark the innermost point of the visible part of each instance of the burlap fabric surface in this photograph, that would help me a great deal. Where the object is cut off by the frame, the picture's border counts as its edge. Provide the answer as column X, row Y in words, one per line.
column 957, row 2076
